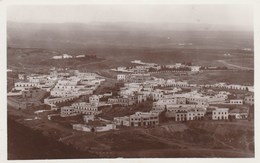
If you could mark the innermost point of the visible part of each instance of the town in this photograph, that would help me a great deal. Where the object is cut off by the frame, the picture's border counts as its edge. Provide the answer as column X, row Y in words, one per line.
column 129, row 80
column 78, row 98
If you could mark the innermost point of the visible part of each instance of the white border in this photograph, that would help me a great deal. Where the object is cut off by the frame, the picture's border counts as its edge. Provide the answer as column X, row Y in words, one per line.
column 3, row 79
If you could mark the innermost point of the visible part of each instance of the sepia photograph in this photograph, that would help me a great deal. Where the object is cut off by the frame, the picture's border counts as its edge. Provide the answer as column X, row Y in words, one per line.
column 95, row 81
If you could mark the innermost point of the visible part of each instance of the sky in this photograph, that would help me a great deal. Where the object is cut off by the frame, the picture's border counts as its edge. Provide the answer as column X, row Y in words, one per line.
column 237, row 15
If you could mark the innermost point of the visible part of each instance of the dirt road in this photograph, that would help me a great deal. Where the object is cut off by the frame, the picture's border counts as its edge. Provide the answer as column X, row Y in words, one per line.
column 234, row 66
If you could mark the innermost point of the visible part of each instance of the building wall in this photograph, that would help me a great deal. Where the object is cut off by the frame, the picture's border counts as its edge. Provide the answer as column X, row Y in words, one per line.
column 32, row 93
column 121, row 77
column 249, row 100
column 181, row 116
column 67, row 111
column 239, row 115
column 21, row 76
column 237, row 102
column 94, row 99
column 112, row 100
column 141, row 98
column 181, row 100
column 195, row 115
column 49, row 101
column 157, row 95
column 86, row 109
column 23, row 86
column 144, row 120
column 87, row 118
column 220, row 114
column 122, row 121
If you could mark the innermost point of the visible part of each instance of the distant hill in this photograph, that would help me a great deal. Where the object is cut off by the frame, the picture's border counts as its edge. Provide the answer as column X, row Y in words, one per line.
column 125, row 34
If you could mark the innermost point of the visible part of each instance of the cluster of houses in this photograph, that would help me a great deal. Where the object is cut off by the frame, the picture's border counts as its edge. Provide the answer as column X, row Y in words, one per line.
column 229, row 86
column 67, row 56
column 142, row 67
column 138, row 119
column 186, row 106
column 177, row 100
column 93, row 107
column 62, row 86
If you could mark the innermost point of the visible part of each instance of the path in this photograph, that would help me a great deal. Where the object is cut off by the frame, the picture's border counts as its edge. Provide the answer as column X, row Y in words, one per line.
column 234, row 66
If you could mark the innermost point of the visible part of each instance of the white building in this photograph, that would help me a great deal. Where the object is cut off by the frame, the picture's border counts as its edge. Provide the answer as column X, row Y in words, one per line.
column 144, row 119
column 249, row 100
column 186, row 112
column 156, row 95
column 67, row 111
column 80, row 56
column 24, row 85
column 122, row 121
column 220, row 113
column 239, row 113
column 57, row 57
column 181, row 84
column 141, row 97
column 66, row 56
column 87, row 118
column 94, row 99
column 237, row 101
column 22, row 76
column 86, row 108
column 161, row 104
column 195, row 68
column 54, row 101
column 121, row 77
column 196, row 113
column 63, row 56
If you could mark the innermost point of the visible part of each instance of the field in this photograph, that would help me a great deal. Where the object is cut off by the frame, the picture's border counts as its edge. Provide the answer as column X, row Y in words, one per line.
column 39, row 60
column 118, row 47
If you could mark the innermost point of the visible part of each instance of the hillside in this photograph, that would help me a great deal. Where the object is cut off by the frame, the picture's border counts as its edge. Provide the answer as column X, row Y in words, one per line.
column 119, row 43
column 126, row 35
column 37, row 145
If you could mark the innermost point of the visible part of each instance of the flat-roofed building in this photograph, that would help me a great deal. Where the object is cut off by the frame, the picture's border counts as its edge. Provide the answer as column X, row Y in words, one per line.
column 249, row 100
column 196, row 114
column 67, row 111
column 122, row 121
column 186, row 112
column 24, row 85
column 144, row 119
column 156, row 95
column 236, row 101
column 195, row 68
column 239, row 113
column 94, row 99
column 181, row 115
column 141, row 97
column 22, row 76
column 86, row 108
column 220, row 113
column 121, row 77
